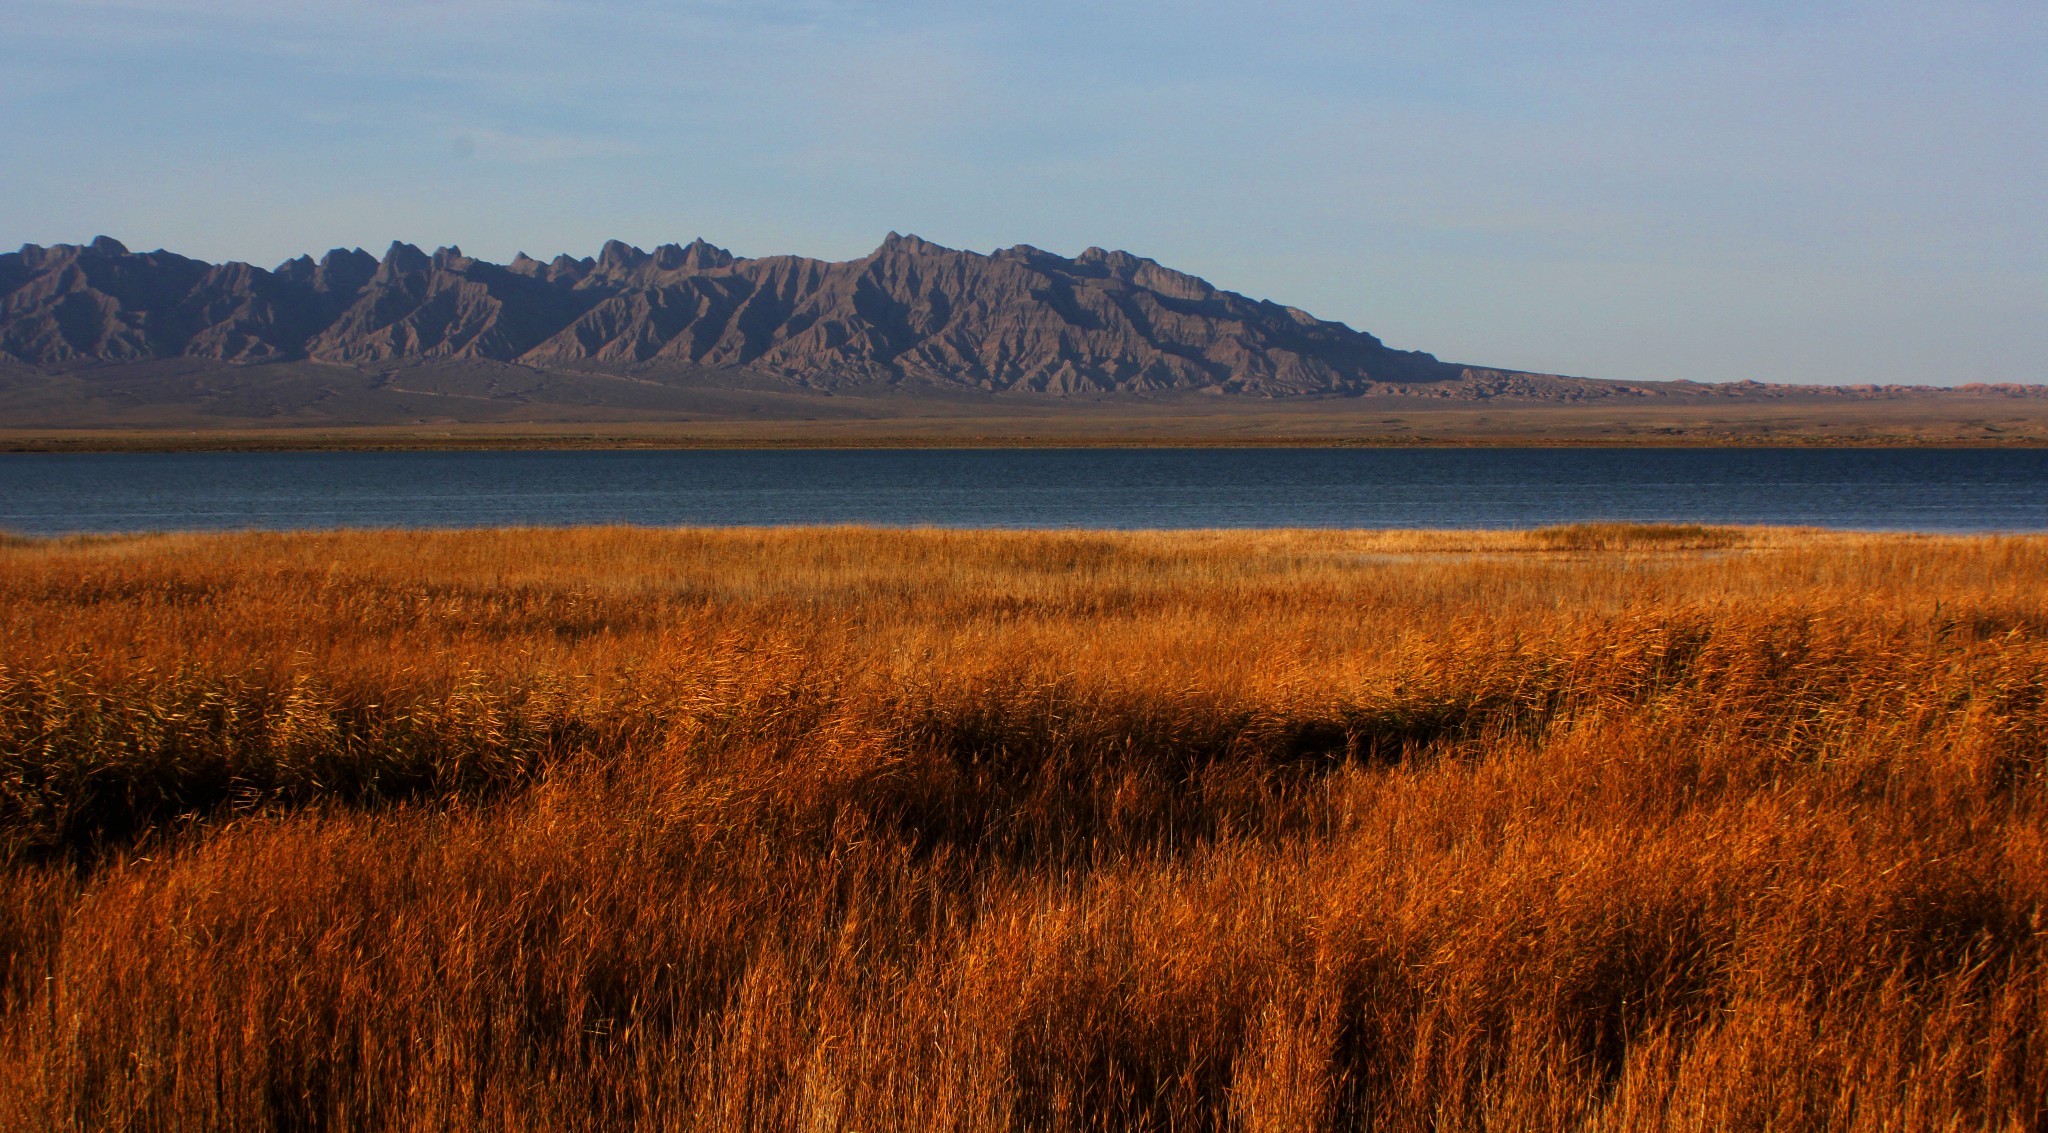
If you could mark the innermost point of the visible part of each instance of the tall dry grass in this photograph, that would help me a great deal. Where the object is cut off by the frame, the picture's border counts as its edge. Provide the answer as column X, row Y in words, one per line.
column 1596, row 828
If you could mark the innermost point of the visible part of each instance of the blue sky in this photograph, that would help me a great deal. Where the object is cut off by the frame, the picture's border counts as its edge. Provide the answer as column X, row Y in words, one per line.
column 1825, row 191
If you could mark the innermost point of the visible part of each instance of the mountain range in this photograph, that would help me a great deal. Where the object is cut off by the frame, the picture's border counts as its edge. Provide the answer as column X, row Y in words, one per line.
column 96, row 336
column 1020, row 319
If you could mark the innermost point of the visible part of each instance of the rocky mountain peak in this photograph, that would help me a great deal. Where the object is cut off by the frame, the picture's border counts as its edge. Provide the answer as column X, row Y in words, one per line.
column 697, row 255
column 566, row 268
column 344, row 271
column 618, row 256
column 898, row 244
column 402, row 257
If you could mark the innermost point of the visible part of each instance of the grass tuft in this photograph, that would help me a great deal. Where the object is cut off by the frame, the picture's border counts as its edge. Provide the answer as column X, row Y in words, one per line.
column 1635, row 536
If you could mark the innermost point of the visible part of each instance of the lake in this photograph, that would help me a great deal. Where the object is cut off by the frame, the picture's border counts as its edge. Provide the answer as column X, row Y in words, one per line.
column 1871, row 489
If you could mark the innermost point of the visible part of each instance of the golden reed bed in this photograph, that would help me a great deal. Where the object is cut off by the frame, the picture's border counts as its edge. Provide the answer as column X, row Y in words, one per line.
column 1596, row 828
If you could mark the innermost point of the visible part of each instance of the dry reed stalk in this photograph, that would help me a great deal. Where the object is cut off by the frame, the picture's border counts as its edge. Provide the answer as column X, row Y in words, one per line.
column 1591, row 828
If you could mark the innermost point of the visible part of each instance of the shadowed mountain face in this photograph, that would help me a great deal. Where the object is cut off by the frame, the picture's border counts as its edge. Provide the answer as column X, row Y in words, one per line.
column 911, row 312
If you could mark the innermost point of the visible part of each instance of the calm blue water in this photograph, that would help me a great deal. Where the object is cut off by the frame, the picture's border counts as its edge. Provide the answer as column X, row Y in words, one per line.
column 1921, row 490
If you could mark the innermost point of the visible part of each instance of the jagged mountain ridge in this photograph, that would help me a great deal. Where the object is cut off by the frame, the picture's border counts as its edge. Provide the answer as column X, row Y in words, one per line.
column 1019, row 319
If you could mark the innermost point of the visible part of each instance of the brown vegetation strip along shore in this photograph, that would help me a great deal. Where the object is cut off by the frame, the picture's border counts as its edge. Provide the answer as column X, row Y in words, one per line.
column 845, row 829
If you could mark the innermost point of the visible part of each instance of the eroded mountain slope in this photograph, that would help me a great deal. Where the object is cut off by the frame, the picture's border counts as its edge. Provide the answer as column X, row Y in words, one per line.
column 1019, row 319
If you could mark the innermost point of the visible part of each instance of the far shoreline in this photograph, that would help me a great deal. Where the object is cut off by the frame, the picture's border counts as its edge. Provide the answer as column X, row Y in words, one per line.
column 475, row 438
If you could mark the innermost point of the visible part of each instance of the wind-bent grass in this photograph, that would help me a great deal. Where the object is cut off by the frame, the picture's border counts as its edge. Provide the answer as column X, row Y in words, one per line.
column 1596, row 827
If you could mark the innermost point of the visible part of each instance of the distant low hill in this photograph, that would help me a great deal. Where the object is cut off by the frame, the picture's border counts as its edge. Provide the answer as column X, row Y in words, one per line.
column 95, row 334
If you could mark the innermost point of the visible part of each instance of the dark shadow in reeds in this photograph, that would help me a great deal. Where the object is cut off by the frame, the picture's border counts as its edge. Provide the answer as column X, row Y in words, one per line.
column 1064, row 778
column 87, row 765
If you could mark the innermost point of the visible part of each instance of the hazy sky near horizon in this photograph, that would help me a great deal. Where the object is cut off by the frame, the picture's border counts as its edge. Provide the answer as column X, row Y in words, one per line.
column 1830, row 191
